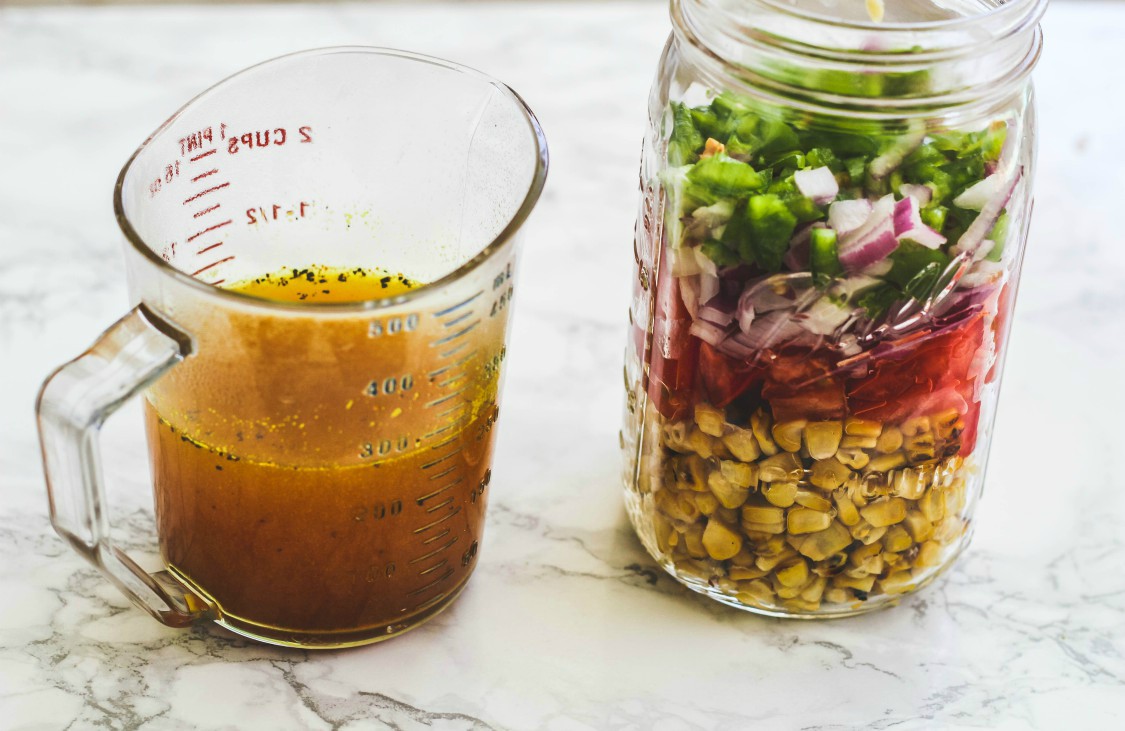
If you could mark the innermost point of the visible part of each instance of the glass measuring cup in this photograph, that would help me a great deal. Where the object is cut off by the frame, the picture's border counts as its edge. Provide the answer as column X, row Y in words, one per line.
column 320, row 468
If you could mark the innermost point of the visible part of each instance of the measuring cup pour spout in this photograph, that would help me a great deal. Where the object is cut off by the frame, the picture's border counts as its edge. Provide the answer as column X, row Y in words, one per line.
column 321, row 324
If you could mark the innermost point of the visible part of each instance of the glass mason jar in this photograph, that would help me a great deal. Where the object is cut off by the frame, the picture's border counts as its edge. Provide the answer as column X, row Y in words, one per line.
column 832, row 222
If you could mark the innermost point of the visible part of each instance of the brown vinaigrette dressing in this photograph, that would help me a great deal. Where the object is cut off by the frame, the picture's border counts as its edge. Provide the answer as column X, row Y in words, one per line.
column 284, row 505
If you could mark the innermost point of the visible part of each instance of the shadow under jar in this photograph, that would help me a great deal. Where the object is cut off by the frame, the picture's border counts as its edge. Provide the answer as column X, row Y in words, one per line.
column 833, row 217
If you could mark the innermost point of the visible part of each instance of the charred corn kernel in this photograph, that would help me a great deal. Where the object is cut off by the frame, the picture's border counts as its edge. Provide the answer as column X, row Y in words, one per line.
column 760, row 425
column 709, row 419
column 781, row 494
column 693, row 541
column 862, row 427
column 822, row 438
column 853, row 457
column 706, row 502
column 819, row 546
column 675, row 436
column 944, row 422
column 932, row 505
column 691, row 473
column 755, row 592
column 866, row 533
column 898, row 582
column 762, row 514
column 846, row 510
column 863, row 583
column 741, row 573
column 800, row 605
column 896, row 539
column 832, row 565
column 948, row 530
column 908, row 483
column 742, row 444
column 920, row 444
column 815, row 590
column 836, row 595
column 739, row 473
column 884, row 511
column 787, row 434
column 889, row 441
column 828, row 474
column 849, row 442
column 728, row 495
column 784, row 467
column 917, row 526
column 721, row 541
column 813, row 500
column 929, row 554
column 914, row 426
column 804, row 520
column 885, row 462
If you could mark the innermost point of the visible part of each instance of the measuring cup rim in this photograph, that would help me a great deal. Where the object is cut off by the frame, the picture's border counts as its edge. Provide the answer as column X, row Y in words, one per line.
column 497, row 244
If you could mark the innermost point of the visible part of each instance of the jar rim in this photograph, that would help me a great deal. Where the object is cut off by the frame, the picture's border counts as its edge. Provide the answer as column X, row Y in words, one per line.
column 1019, row 10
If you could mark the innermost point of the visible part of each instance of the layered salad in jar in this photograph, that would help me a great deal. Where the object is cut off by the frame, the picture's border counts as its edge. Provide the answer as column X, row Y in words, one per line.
column 827, row 309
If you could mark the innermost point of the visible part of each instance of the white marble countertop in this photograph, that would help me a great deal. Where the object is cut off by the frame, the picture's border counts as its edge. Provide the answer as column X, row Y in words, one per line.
column 567, row 623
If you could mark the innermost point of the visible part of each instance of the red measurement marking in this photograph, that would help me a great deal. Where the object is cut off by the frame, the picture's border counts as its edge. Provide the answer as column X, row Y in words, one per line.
column 217, row 282
column 202, row 193
column 201, row 176
column 205, row 249
column 213, row 264
column 205, row 211
column 197, row 234
column 202, row 155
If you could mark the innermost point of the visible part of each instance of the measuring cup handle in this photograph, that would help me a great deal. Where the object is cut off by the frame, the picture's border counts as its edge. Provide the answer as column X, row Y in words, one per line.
column 73, row 404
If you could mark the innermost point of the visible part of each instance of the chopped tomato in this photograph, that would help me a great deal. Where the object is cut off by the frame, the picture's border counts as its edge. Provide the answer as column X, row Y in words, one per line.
column 724, row 378
column 799, row 386
column 1000, row 326
column 972, row 427
column 670, row 381
column 895, row 386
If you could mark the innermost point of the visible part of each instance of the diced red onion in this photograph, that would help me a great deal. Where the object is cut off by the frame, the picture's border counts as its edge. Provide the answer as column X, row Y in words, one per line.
column 818, row 183
column 708, row 287
column 824, row 317
column 971, row 240
column 689, row 293
column 977, row 195
column 709, row 332
column 888, row 162
column 769, row 330
column 872, row 241
column 719, row 310
column 921, row 193
column 764, row 299
column 909, row 225
column 878, row 269
column 845, row 216
column 797, row 257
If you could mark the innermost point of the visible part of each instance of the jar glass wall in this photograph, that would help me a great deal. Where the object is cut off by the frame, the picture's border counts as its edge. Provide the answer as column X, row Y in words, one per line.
column 833, row 217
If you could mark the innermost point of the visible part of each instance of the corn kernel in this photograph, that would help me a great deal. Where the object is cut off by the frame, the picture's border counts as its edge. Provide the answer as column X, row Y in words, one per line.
column 845, row 509
column 754, row 529
column 813, row 500
column 828, row 474
column 899, row 582
column 853, row 457
column 721, row 541
column 896, row 539
column 932, row 505
column 889, row 441
column 800, row 605
column 822, row 438
column 864, row 583
column 741, row 573
column 884, row 511
column 819, row 546
column 693, row 541
column 915, row 426
column 754, row 593
column 929, row 554
column 760, row 424
column 908, row 483
column 917, row 526
column 738, row 473
column 803, row 520
column 862, row 428
column 675, row 436
column 837, row 596
column 784, row 467
column 866, row 533
column 948, row 530
column 787, row 592
column 728, row 494
column 849, row 442
column 886, row 462
column 705, row 501
column 710, row 419
column 742, row 444
column 781, row 494
column 862, row 553
column 662, row 529
column 762, row 514
column 815, row 590
column 769, row 563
